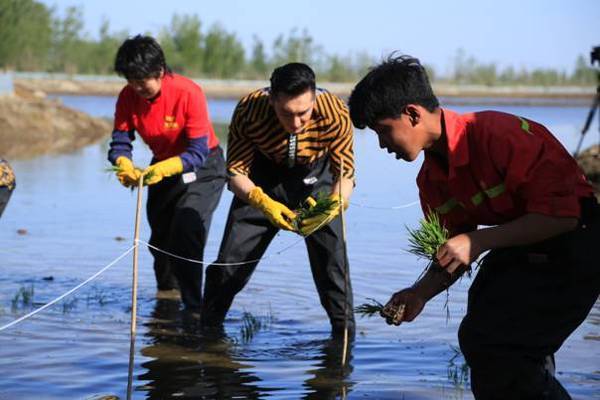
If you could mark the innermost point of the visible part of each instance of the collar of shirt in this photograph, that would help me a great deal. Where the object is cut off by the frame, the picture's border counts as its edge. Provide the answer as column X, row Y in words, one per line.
column 455, row 128
column 165, row 82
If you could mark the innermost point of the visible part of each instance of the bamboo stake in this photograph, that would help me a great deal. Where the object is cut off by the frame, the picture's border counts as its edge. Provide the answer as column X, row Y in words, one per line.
column 132, row 334
column 341, row 201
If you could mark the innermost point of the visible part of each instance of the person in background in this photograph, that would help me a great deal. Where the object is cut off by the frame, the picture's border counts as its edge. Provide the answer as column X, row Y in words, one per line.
column 187, row 173
column 541, row 276
column 286, row 143
column 7, row 184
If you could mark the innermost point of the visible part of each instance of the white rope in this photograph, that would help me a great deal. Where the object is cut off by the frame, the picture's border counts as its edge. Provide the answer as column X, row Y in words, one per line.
column 31, row 314
column 219, row 264
column 263, row 258
column 353, row 203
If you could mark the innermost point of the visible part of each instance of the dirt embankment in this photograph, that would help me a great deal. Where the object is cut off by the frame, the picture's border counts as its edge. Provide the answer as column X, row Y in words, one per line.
column 235, row 89
column 32, row 126
column 589, row 161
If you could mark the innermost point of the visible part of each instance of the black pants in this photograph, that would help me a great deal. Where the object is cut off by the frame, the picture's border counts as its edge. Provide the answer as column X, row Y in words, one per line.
column 523, row 304
column 5, row 193
column 179, row 215
column 7, row 184
column 248, row 234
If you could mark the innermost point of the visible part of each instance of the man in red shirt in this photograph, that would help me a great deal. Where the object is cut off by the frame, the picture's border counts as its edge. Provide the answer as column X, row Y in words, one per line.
column 187, row 173
column 540, row 279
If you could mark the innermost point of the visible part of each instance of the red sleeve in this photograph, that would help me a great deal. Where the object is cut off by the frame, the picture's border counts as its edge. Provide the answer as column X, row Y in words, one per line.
column 197, row 122
column 123, row 120
column 537, row 169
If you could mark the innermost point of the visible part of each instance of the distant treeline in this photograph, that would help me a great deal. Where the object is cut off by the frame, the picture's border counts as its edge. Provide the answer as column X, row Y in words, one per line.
column 34, row 37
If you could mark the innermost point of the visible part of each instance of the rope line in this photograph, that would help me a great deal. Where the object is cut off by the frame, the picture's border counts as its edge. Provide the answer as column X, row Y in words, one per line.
column 221, row 264
column 59, row 298
column 385, row 208
column 101, row 271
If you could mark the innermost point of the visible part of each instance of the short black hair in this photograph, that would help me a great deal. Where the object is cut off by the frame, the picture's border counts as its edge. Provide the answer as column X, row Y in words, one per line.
column 292, row 79
column 140, row 57
column 388, row 88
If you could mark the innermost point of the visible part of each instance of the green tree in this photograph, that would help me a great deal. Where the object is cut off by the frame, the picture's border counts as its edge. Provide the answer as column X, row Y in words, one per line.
column 583, row 73
column 297, row 47
column 259, row 65
column 25, row 31
column 67, row 43
column 185, row 44
column 223, row 53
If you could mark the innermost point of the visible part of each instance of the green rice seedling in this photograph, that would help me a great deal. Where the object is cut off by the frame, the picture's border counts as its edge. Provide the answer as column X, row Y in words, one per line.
column 23, row 297
column 115, row 169
column 457, row 369
column 370, row 308
column 425, row 241
column 324, row 204
column 69, row 305
column 251, row 325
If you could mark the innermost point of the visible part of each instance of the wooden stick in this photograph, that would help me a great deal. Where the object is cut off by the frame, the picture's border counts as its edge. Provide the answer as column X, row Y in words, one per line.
column 132, row 334
column 341, row 201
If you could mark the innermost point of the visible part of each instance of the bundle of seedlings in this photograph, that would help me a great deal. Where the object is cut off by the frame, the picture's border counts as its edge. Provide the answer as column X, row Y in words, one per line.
column 423, row 242
column 313, row 207
column 115, row 169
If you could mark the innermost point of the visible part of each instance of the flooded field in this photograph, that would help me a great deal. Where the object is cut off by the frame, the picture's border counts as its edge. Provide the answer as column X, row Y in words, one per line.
column 68, row 219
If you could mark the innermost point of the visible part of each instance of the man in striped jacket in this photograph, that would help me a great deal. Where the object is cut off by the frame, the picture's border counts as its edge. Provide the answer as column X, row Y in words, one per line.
column 286, row 143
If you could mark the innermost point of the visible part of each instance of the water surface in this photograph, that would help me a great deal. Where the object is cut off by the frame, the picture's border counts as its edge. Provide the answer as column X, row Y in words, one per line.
column 72, row 212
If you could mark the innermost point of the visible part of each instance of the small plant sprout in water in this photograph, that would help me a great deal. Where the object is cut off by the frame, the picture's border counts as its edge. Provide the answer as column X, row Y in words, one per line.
column 23, row 297
column 251, row 325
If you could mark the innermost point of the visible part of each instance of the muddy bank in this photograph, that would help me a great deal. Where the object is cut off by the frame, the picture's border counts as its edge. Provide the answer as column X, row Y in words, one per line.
column 32, row 126
column 589, row 161
column 235, row 89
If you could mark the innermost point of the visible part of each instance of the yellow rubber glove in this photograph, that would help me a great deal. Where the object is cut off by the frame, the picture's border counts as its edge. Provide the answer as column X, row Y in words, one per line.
column 162, row 169
column 127, row 174
column 278, row 214
column 309, row 225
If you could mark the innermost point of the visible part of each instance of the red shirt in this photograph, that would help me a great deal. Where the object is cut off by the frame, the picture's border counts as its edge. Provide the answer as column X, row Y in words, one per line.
column 500, row 167
column 167, row 122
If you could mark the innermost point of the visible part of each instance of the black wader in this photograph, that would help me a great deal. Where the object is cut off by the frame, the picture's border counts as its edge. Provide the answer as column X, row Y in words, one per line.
column 523, row 304
column 248, row 234
column 179, row 215
column 7, row 184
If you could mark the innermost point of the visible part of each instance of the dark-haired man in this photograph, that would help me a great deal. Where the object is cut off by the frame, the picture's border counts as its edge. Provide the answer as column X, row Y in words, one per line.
column 187, row 172
column 540, row 279
column 286, row 143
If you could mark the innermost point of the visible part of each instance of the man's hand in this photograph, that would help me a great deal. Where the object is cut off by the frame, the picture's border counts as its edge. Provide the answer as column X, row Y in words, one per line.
column 127, row 174
column 403, row 306
column 459, row 250
column 162, row 169
column 278, row 214
column 309, row 225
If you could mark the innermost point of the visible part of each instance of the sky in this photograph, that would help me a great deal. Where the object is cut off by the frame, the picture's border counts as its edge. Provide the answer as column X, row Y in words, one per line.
column 520, row 33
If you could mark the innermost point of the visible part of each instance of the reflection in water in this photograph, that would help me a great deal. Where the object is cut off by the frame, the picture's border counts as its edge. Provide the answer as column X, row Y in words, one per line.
column 328, row 380
column 187, row 362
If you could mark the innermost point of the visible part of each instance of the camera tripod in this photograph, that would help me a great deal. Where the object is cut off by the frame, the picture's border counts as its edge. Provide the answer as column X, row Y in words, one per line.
column 590, row 117
column 594, row 57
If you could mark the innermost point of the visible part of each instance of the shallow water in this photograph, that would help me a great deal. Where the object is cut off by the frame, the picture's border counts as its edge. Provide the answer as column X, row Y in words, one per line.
column 73, row 212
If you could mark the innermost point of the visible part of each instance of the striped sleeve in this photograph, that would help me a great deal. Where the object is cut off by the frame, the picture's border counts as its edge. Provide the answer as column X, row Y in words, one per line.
column 240, row 150
column 342, row 147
